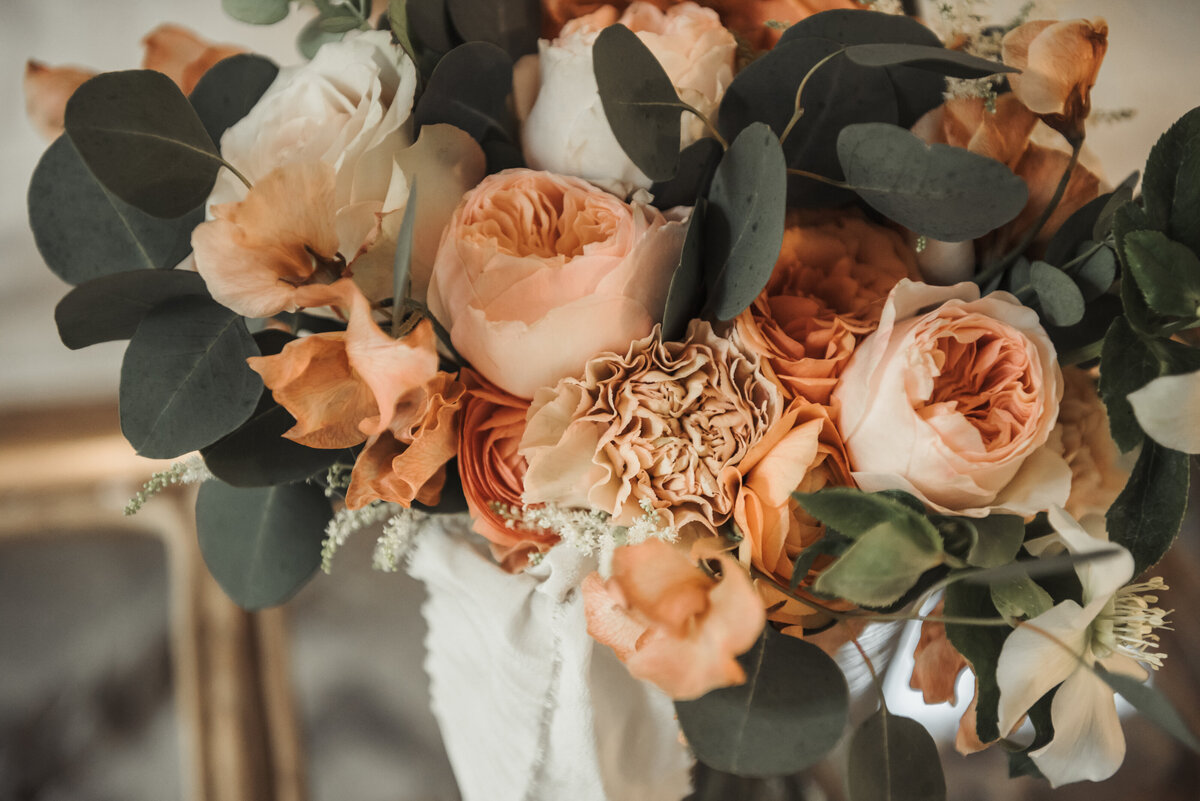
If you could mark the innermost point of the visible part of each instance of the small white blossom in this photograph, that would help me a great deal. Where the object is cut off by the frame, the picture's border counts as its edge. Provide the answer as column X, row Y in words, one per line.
column 397, row 539
column 348, row 521
column 191, row 470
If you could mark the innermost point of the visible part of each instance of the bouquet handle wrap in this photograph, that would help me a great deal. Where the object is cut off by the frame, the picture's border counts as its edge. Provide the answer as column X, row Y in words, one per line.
column 530, row 707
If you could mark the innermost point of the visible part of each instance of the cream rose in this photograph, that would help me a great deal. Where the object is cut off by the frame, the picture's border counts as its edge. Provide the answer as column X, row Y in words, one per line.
column 953, row 399
column 567, row 131
column 537, row 273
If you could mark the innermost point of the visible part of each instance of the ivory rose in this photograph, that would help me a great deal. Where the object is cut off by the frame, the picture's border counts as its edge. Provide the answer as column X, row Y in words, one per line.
column 537, row 273
column 663, row 427
column 1013, row 136
column 1059, row 62
column 493, row 471
column 172, row 50
column 669, row 622
column 955, row 404
column 827, row 290
column 567, row 131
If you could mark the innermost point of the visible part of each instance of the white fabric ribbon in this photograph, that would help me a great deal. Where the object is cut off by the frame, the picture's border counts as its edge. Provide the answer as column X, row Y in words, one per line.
column 530, row 707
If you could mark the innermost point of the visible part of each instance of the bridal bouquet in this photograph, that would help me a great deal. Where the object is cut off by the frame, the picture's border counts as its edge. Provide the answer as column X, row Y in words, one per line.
column 785, row 318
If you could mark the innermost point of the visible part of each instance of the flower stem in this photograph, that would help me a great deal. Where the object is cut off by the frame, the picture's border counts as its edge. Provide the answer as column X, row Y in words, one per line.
column 822, row 178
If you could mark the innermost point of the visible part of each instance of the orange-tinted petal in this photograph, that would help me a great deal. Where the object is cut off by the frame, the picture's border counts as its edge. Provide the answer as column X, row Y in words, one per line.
column 181, row 55
column 936, row 663
column 47, row 90
column 662, row 583
column 256, row 253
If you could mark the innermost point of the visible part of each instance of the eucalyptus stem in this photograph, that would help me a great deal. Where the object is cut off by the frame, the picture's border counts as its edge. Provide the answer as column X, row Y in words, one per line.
column 822, row 178
column 874, row 675
column 1011, row 257
column 679, row 104
column 798, row 111
column 236, row 172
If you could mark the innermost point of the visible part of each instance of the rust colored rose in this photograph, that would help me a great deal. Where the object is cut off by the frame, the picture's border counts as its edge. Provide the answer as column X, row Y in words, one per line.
column 669, row 622
column 493, row 470
column 827, row 290
column 1059, row 62
column 663, row 427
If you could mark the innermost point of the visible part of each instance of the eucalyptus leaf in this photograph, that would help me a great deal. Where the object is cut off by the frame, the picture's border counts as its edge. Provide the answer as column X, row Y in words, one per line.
column 397, row 16
column 1096, row 274
column 743, row 227
column 229, row 89
column 1020, row 598
column 1059, row 298
column 261, row 544
column 893, row 758
column 320, row 31
column 999, row 540
column 513, row 25
column 685, row 297
column 184, row 381
column 111, row 307
column 943, row 192
column 256, row 12
column 697, row 164
column 1084, row 341
column 1151, row 703
column 640, row 103
column 1146, row 516
column 1167, row 272
column 142, row 140
column 84, row 232
column 952, row 63
column 1126, row 364
column 469, row 89
column 431, row 33
column 772, row 724
column 1077, row 228
column 882, row 565
column 980, row 645
column 1163, row 167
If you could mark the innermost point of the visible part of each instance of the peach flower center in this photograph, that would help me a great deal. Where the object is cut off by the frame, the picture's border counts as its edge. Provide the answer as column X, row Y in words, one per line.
column 982, row 375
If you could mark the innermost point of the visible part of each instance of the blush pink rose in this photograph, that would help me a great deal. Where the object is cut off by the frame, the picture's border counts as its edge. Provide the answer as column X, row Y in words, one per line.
column 953, row 399
column 537, row 273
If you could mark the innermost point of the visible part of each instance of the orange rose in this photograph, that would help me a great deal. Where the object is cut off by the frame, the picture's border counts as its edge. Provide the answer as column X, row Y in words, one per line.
column 494, row 472
column 669, row 622
column 176, row 52
column 1058, row 62
column 1012, row 135
column 829, row 285
column 537, row 273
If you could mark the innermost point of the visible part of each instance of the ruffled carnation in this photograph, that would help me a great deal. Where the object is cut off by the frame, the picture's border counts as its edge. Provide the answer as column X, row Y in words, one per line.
column 1097, row 475
column 663, row 427
column 828, row 288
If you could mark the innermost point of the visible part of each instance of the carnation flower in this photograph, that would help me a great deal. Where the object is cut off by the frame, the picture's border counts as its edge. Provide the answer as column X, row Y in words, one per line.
column 953, row 400
column 827, row 290
column 663, row 427
column 1097, row 474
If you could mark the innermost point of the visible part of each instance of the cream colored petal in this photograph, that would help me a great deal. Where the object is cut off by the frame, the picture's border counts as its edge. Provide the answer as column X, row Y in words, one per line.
column 1031, row 664
column 1168, row 410
column 1088, row 744
column 1101, row 578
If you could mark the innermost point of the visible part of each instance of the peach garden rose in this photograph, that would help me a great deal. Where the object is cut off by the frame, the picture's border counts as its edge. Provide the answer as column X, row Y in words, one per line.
column 953, row 399
column 537, row 273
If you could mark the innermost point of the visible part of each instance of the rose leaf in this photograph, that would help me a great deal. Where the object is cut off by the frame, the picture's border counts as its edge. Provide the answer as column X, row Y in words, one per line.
column 1167, row 272
column 1147, row 514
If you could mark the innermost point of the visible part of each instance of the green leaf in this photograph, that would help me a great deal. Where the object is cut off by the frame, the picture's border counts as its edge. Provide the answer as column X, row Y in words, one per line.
column 1060, row 300
column 1151, row 703
column 952, row 63
column 1147, row 514
column 469, row 89
column 322, row 30
column 1020, row 598
column 142, row 140
column 743, row 228
column 697, row 165
column 83, row 232
column 256, row 12
column 940, row 191
column 1126, row 364
column 773, row 724
column 513, row 25
column 184, row 381
column 1083, row 341
column 1044, row 566
column 110, row 307
column 1126, row 220
column 999, row 540
column 1184, row 223
column 1076, row 229
column 1096, row 274
column 1113, row 201
column 852, row 512
column 1040, row 715
column 261, row 544
column 893, row 758
column 884, row 563
column 402, row 261
column 397, row 16
column 639, row 101
column 1167, row 272
column 230, row 88
column 1163, row 167
column 256, row 454
column 685, row 297
column 980, row 645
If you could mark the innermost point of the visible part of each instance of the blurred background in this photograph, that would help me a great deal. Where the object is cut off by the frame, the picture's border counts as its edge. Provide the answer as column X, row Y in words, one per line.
column 109, row 637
